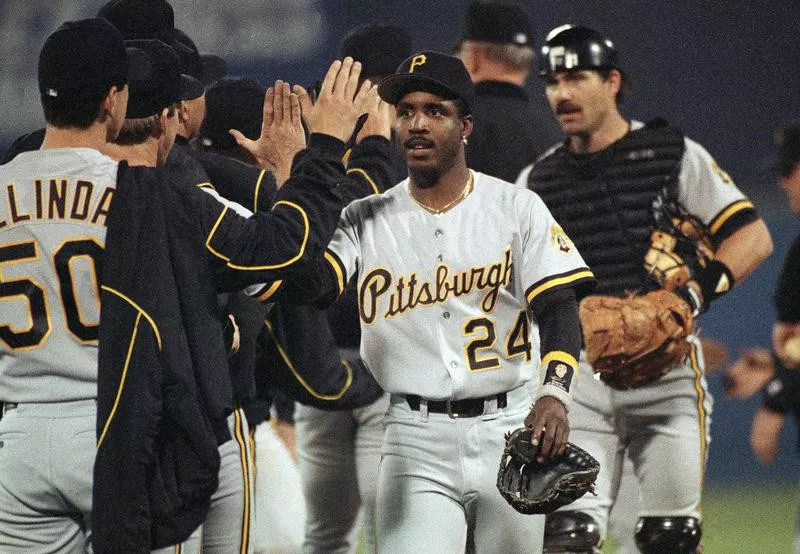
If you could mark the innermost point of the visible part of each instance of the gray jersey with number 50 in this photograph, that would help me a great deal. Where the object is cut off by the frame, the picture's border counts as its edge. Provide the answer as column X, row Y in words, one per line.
column 53, row 207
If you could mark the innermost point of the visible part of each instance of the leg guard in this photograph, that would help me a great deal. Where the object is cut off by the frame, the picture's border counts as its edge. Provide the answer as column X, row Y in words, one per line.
column 677, row 535
column 571, row 533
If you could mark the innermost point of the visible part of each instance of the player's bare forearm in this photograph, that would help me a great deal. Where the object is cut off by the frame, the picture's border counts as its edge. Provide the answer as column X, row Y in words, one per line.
column 745, row 249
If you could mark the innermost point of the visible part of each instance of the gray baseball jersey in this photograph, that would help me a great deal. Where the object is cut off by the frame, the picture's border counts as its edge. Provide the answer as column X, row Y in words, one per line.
column 664, row 426
column 52, row 231
column 443, row 298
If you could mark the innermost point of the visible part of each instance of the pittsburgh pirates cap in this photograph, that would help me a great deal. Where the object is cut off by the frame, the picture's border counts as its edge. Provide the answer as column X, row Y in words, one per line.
column 788, row 148
column 379, row 48
column 160, row 84
column 82, row 58
column 429, row 71
column 232, row 103
column 498, row 23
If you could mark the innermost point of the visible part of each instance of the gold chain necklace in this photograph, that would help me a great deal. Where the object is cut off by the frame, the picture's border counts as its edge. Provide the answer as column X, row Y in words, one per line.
column 461, row 196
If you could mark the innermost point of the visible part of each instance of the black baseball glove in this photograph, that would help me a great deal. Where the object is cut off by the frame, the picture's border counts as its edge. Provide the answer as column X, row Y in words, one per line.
column 540, row 488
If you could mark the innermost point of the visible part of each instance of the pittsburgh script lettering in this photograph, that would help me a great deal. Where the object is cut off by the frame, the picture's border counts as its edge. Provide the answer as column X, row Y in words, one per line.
column 408, row 292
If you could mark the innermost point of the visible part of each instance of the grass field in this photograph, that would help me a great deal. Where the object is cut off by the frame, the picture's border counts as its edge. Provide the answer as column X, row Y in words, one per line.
column 747, row 519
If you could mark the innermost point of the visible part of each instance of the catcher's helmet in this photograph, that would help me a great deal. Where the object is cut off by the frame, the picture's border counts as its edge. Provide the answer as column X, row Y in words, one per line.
column 571, row 47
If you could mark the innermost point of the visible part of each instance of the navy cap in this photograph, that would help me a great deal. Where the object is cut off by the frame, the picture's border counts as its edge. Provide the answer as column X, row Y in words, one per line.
column 232, row 103
column 160, row 85
column 141, row 19
column 429, row 71
column 498, row 23
column 191, row 65
column 788, row 148
column 379, row 48
column 82, row 58
column 214, row 68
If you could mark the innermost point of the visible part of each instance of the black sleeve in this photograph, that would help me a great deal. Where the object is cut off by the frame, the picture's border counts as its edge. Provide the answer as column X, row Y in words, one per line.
column 300, row 358
column 556, row 314
column 272, row 245
column 284, row 407
column 370, row 169
column 25, row 143
column 245, row 184
column 787, row 291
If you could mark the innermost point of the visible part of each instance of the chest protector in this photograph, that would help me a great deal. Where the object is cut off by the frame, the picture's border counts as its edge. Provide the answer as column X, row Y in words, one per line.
column 604, row 201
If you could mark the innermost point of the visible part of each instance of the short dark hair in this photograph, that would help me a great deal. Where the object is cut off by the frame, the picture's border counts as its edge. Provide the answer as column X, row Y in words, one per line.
column 78, row 112
column 136, row 131
column 626, row 87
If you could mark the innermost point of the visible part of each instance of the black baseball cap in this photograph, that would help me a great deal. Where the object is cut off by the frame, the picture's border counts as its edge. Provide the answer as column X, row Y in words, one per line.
column 379, row 48
column 82, row 58
column 429, row 71
column 498, row 23
column 214, row 68
column 232, row 103
column 141, row 19
column 788, row 148
column 191, row 65
column 160, row 85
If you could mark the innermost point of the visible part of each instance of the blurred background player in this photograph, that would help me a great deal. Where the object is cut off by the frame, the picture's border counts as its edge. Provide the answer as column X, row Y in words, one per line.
column 776, row 373
column 511, row 129
column 339, row 451
column 237, row 103
column 602, row 185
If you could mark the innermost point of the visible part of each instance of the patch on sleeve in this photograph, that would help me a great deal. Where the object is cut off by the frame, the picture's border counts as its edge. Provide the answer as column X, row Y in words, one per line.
column 560, row 239
column 559, row 374
column 721, row 173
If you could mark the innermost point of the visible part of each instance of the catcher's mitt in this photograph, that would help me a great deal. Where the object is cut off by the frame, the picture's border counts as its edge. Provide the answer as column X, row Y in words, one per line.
column 534, row 488
column 679, row 245
column 634, row 341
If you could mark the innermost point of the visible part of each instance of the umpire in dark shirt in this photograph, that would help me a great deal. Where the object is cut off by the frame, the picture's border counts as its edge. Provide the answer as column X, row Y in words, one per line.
column 511, row 130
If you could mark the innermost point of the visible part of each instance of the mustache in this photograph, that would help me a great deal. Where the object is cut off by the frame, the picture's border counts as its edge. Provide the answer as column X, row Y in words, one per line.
column 566, row 107
column 418, row 141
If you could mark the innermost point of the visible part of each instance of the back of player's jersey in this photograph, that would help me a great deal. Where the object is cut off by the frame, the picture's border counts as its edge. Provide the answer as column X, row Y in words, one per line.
column 53, row 209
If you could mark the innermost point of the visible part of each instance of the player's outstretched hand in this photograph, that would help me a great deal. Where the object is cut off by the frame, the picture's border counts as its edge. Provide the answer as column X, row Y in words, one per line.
column 340, row 101
column 749, row 373
column 548, row 420
column 379, row 117
column 282, row 134
column 765, row 434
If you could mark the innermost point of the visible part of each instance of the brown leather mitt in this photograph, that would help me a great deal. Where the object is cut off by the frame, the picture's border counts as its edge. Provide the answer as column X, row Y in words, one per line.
column 634, row 341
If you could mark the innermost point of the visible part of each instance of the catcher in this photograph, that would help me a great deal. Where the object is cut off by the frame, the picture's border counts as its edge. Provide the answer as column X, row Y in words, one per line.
column 624, row 191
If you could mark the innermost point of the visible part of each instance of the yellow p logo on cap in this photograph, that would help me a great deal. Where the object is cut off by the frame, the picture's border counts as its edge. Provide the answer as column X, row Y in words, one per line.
column 417, row 61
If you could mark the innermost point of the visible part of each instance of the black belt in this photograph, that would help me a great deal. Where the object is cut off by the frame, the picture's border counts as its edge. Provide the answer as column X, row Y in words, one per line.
column 468, row 407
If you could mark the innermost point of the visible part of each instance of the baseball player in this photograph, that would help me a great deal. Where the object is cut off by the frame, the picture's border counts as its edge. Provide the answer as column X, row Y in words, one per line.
column 339, row 451
column 601, row 185
column 451, row 264
column 775, row 373
column 146, row 138
column 52, row 234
